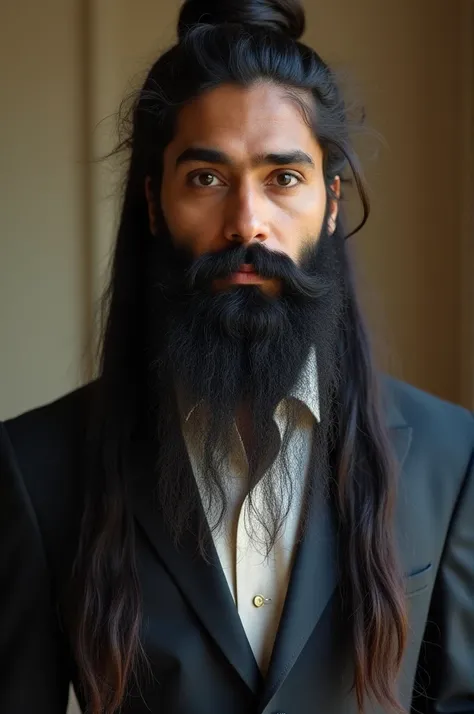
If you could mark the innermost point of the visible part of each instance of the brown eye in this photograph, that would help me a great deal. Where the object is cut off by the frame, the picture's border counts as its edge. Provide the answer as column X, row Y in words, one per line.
column 287, row 180
column 204, row 179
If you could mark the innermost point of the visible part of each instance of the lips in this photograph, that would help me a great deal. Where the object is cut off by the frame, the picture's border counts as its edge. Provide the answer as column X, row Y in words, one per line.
column 246, row 268
column 246, row 275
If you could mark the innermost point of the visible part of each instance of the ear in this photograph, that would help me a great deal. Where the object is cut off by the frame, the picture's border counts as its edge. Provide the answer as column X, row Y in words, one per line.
column 334, row 204
column 151, row 205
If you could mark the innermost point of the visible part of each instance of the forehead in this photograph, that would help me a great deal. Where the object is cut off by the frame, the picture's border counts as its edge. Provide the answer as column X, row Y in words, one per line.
column 245, row 121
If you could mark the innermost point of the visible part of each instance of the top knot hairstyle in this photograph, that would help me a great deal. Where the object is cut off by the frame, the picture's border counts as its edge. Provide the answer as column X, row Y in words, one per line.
column 241, row 42
column 286, row 16
column 229, row 42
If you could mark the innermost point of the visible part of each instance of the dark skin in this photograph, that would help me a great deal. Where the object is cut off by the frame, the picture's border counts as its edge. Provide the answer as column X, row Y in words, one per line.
column 244, row 166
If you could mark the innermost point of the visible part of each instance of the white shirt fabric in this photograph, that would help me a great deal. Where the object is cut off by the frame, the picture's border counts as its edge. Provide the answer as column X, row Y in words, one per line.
column 248, row 571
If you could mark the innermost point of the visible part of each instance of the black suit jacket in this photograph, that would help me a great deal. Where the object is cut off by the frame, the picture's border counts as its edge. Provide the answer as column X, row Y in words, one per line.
column 200, row 657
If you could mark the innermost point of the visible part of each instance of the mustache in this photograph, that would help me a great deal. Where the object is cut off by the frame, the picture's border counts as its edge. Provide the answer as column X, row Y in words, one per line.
column 296, row 280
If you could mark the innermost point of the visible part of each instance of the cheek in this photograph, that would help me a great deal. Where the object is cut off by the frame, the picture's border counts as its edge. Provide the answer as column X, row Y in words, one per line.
column 312, row 208
column 187, row 224
column 301, row 227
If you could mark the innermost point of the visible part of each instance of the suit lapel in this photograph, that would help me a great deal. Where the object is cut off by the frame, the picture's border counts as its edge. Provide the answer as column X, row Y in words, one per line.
column 315, row 572
column 202, row 584
column 313, row 580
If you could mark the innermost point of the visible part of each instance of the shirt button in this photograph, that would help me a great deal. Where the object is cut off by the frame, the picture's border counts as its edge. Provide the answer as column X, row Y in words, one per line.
column 259, row 600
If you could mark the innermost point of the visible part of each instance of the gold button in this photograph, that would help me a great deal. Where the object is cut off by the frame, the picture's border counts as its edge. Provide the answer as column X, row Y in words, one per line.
column 259, row 600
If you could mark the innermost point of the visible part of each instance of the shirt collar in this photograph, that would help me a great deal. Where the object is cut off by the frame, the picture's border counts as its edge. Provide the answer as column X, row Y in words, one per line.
column 306, row 388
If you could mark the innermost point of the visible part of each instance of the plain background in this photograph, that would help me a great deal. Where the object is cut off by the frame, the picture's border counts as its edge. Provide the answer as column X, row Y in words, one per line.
column 66, row 64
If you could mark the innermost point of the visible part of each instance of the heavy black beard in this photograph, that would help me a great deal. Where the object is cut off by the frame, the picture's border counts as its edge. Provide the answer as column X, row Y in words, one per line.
column 233, row 347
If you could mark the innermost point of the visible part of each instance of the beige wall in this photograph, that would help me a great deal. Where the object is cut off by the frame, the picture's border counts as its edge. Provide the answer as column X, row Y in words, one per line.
column 41, row 257
column 467, row 179
column 407, row 60
column 65, row 64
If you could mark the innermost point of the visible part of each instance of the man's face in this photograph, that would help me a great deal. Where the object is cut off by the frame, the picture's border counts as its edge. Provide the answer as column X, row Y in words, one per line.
column 243, row 167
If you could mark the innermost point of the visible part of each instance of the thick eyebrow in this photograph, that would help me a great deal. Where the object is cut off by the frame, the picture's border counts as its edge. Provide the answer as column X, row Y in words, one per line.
column 285, row 158
column 214, row 156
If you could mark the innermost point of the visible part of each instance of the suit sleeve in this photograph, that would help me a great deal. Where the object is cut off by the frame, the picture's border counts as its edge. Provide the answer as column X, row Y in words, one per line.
column 33, row 671
column 446, row 671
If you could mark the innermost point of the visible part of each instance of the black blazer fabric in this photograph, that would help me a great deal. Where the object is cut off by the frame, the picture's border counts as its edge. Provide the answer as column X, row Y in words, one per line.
column 200, row 657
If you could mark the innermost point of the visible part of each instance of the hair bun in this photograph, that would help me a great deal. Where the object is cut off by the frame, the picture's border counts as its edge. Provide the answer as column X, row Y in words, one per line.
column 285, row 16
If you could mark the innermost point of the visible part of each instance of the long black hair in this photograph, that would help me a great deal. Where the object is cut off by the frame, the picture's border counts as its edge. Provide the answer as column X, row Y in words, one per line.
column 239, row 42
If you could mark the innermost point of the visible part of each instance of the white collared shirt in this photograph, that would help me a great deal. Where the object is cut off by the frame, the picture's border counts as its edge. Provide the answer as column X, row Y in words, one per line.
column 249, row 573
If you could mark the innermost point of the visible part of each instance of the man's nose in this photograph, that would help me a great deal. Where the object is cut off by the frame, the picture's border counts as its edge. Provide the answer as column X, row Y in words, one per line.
column 245, row 219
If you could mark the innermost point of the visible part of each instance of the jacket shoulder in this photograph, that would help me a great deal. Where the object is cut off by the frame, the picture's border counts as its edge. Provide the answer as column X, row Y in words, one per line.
column 46, row 434
column 444, row 429
column 47, row 444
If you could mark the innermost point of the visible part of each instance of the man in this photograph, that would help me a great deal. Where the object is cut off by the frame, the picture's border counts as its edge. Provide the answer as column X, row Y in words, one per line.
column 239, row 514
